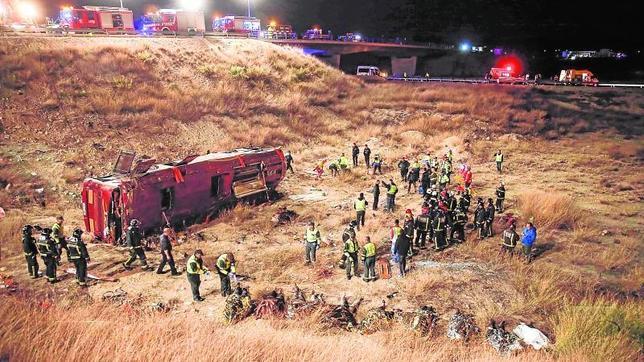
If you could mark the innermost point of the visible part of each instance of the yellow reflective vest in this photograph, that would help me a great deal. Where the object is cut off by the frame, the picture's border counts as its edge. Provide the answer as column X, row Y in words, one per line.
column 195, row 266
column 360, row 205
column 224, row 266
column 369, row 250
column 312, row 236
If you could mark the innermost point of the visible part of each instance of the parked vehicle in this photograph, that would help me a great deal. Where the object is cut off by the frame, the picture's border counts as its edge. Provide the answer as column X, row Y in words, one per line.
column 504, row 76
column 578, row 77
column 173, row 22
column 368, row 70
column 178, row 193
column 242, row 25
column 279, row 31
column 95, row 19
column 317, row 34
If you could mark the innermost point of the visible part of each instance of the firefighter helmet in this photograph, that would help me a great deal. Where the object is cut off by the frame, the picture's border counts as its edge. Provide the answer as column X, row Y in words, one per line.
column 78, row 232
column 27, row 229
column 135, row 222
column 45, row 231
column 353, row 224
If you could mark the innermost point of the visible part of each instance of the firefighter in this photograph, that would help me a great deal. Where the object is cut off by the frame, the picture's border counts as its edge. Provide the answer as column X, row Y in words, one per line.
column 165, row 243
column 344, row 162
column 401, row 250
column 395, row 232
column 458, row 225
column 134, row 239
column 289, row 161
column 355, row 153
column 467, row 199
column 360, row 205
column 500, row 196
column 369, row 257
column 377, row 164
column 350, row 252
column 403, row 166
column 30, row 250
column 78, row 255
column 58, row 235
column 226, row 270
column 312, row 242
column 509, row 240
column 376, row 195
column 498, row 158
column 423, row 226
column 425, row 180
column 49, row 253
column 480, row 219
column 408, row 229
column 440, row 233
column 413, row 177
column 450, row 156
column 194, row 268
column 443, row 181
column 392, row 190
column 489, row 213
column 367, row 154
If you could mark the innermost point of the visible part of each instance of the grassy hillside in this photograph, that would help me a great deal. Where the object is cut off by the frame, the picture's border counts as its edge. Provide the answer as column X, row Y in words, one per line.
column 574, row 160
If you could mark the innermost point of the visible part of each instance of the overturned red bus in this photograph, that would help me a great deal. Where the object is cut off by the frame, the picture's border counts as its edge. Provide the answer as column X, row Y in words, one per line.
column 178, row 193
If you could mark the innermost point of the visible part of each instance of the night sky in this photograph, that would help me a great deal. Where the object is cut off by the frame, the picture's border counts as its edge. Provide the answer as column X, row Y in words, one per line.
column 523, row 24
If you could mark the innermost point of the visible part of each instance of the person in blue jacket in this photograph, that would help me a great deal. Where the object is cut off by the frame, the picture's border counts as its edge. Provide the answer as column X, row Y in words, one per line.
column 528, row 239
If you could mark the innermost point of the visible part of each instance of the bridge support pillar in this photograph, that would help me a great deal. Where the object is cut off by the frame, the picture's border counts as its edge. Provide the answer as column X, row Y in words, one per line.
column 333, row 60
column 400, row 66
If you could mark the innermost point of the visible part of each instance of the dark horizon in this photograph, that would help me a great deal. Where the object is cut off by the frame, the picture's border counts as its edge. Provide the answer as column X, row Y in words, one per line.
column 518, row 24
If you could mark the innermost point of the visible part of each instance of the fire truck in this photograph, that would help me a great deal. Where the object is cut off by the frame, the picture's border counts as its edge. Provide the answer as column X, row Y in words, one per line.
column 504, row 76
column 178, row 193
column 317, row 34
column 578, row 77
column 242, row 25
column 173, row 22
column 282, row 31
column 96, row 19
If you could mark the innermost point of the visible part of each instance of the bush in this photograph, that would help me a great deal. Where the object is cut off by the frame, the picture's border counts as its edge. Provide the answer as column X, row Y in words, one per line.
column 550, row 210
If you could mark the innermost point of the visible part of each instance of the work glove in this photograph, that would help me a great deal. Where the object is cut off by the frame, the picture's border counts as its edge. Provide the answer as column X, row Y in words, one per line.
column 232, row 277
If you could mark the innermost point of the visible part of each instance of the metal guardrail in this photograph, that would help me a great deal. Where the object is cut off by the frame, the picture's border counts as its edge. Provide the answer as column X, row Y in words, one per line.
column 483, row 81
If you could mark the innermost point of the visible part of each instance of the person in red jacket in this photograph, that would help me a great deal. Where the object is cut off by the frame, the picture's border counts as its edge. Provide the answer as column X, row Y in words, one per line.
column 467, row 177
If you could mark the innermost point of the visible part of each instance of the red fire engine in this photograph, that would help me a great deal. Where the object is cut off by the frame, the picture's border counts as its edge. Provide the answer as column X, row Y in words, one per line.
column 237, row 25
column 178, row 193
column 504, row 75
column 170, row 21
column 317, row 34
column 96, row 19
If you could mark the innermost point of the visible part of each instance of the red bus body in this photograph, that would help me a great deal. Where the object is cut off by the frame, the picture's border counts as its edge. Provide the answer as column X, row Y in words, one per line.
column 178, row 193
column 97, row 19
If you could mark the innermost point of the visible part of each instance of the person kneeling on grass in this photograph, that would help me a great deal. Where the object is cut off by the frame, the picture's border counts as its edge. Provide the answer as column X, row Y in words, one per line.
column 528, row 239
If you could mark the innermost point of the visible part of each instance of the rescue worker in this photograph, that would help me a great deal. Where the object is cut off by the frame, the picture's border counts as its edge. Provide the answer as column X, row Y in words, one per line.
column 489, row 213
column 480, row 219
column 527, row 240
column 355, row 152
column 403, row 166
column 377, row 164
column 343, row 161
column 165, row 244
column 425, row 180
column 392, row 190
column 467, row 199
column 443, row 181
column 350, row 252
column 194, row 268
column 450, row 156
column 78, row 255
column 369, row 257
column 509, row 241
column 440, row 232
column 467, row 177
column 49, row 254
column 500, row 196
column 413, row 177
column 394, row 233
column 58, row 235
column 360, row 205
column 289, row 161
column 367, row 154
column 498, row 158
column 312, row 242
column 458, row 225
column 408, row 229
column 134, row 239
column 402, row 249
column 333, row 166
column 30, row 250
column 376, row 195
column 423, row 226
column 226, row 270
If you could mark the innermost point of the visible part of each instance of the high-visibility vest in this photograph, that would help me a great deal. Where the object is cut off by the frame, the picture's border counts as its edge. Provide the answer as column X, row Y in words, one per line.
column 392, row 190
column 397, row 230
column 415, row 165
column 56, row 233
column 369, row 250
column 344, row 161
column 499, row 157
column 195, row 266
column 224, row 265
column 361, row 205
column 312, row 235
column 444, row 179
column 351, row 246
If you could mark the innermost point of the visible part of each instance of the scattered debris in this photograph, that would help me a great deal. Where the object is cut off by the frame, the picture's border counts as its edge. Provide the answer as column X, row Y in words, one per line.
column 271, row 305
column 325, row 273
column 283, row 216
column 342, row 316
column 504, row 342
column 238, row 305
column 376, row 319
column 531, row 336
column 72, row 271
column 312, row 195
column 461, row 326
column 118, row 296
column 299, row 306
column 425, row 319
column 8, row 283
column 606, row 232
